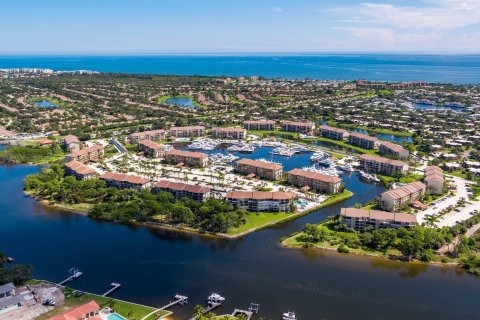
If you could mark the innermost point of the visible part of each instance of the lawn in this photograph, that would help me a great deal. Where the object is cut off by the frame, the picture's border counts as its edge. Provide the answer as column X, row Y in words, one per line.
column 282, row 134
column 130, row 311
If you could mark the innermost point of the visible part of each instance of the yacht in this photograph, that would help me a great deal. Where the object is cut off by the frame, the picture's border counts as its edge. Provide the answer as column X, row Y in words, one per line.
column 348, row 167
column 283, row 151
column 290, row 315
column 318, row 155
column 301, row 149
column 215, row 297
column 325, row 162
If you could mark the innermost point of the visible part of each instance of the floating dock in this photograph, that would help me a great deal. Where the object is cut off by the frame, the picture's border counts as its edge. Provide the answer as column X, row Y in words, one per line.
column 74, row 274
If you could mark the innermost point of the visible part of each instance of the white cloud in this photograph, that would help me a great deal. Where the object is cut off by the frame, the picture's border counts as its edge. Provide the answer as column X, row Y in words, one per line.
column 277, row 9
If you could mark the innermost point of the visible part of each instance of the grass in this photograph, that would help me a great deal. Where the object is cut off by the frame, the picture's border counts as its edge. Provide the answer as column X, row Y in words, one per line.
column 128, row 310
column 295, row 241
column 282, row 134
column 459, row 174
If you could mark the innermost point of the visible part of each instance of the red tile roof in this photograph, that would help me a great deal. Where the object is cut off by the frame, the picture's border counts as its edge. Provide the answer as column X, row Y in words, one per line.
column 190, row 154
column 363, row 136
column 314, row 175
column 378, row 215
column 152, row 145
column 123, row 177
column 79, row 168
column 392, row 162
column 78, row 312
column 81, row 152
column 165, row 184
column 260, row 164
column 260, row 195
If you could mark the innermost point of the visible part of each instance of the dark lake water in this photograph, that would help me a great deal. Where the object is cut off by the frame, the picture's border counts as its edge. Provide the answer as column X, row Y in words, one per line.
column 182, row 102
column 154, row 264
column 388, row 137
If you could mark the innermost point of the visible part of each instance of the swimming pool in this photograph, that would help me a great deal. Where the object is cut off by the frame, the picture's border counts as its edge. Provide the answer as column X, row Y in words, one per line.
column 115, row 316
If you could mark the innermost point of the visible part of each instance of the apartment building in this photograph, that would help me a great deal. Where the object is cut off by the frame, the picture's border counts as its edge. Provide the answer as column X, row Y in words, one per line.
column 89, row 154
column 153, row 135
column 229, row 133
column 392, row 149
column 333, row 133
column 182, row 190
column 123, row 181
column 363, row 141
column 298, row 126
column 261, row 169
column 434, row 179
column 359, row 219
column 400, row 198
column 151, row 149
column 188, row 158
column 265, row 125
column 314, row 181
column 382, row 165
column 187, row 132
column 71, row 143
column 79, row 170
column 256, row 201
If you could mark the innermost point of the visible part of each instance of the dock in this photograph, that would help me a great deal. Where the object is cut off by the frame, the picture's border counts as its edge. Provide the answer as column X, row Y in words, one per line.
column 74, row 274
column 179, row 299
column 114, row 286
column 248, row 314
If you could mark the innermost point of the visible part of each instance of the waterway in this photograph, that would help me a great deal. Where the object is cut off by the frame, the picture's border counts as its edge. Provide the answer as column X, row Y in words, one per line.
column 154, row 264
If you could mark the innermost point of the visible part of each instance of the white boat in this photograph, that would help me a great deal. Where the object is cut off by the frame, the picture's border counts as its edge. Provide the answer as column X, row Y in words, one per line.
column 368, row 176
column 301, row 149
column 325, row 162
column 281, row 151
column 215, row 297
column 290, row 315
column 348, row 167
column 318, row 156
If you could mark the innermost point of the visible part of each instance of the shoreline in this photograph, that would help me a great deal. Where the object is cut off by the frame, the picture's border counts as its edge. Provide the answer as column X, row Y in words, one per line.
column 189, row 230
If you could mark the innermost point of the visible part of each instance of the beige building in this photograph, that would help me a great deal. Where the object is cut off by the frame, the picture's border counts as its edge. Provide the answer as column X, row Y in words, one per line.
column 400, row 198
column 256, row 201
column 314, row 181
column 363, row 141
column 71, row 143
column 187, row 132
column 229, row 133
column 382, row 165
column 90, row 154
column 153, row 135
column 188, row 158
column 79, row 170
column 182, row 190
column 392, row 149
column 261, row 169
column 151, row 149
column 434, row 179
column 359, row 219
column 265, row 125
column 123, row 181
column 333, row 133
column 298, row 126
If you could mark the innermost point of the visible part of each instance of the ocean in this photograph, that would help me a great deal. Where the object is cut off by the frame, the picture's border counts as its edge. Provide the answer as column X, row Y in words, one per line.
column 440, row 68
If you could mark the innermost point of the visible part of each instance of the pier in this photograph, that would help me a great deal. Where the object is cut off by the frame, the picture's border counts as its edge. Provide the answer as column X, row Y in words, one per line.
column 179, row 299
column 237, row 312
column 114, row 286
column 74, row 274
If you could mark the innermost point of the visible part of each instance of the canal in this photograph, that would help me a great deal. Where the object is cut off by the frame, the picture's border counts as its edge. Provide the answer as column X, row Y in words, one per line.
column 154, row 264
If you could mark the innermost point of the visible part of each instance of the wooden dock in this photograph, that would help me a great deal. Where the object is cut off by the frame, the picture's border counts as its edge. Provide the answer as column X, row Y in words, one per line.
column 114, row 286
column 74, row 274
column 237, row 312
column 179, row 299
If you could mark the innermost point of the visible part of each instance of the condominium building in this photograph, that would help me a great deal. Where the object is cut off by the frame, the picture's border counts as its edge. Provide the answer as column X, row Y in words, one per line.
column 123, row 181
column 182, row 190
column 151, row 149
column 279, row 201
column 265, row 125
column 359, row 219
column 261, row 169
column 314, row 181
column 333, row 133
column 153, row 135
column 434, row 179
column 85, row 155
column 229, row 133
column 382, row 165
column 188, row 158
column 392, row 149
column 79, row 170
column 400, row 198
column 298, row 126
column 187, row 132
column 71, row 143
column 363, row 141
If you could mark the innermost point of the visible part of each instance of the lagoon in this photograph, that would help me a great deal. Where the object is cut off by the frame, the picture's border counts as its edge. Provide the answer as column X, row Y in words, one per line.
column 153, row 264
column 388, row 137
column 182, row 102
column 45, row 104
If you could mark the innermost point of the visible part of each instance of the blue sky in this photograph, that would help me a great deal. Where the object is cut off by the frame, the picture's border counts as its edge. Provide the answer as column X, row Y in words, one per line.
column 201, row 26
